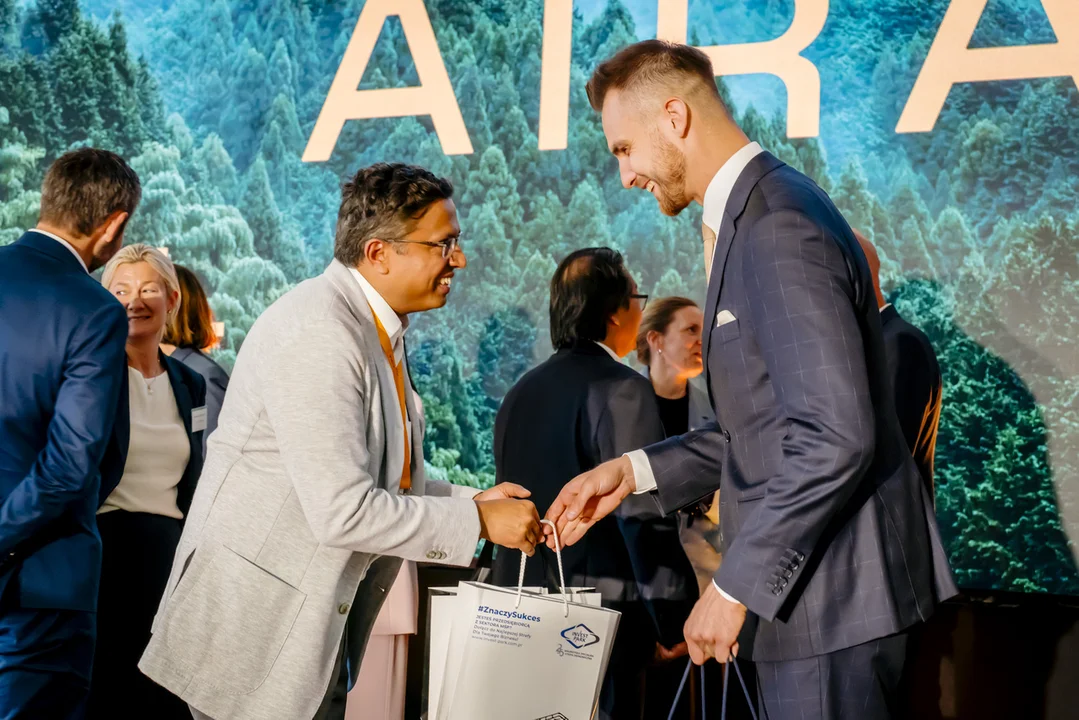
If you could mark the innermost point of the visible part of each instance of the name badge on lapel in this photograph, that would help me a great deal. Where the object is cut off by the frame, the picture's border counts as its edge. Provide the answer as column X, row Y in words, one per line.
column 198, row 419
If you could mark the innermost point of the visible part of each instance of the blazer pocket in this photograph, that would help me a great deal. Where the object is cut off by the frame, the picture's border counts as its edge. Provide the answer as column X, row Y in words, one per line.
column 232, row 622
column 752, row 495
column 728, row 331
column 290, row 544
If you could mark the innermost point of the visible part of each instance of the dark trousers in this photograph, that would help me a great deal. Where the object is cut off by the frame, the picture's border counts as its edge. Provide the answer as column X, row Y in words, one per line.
column 858, row 683
column 333, row 705
column 137, row 554
column 45, row 661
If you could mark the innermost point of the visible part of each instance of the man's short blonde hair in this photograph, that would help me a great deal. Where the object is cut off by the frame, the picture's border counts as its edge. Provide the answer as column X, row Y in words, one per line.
column 140, row 252
column 653, row 64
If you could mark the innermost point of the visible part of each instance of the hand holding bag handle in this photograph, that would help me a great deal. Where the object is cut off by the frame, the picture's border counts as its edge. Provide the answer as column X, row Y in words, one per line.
column 561, row 576
column 723, row 712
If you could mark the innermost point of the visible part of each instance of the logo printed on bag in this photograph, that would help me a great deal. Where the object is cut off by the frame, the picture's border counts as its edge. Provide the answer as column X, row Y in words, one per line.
column 580, row 636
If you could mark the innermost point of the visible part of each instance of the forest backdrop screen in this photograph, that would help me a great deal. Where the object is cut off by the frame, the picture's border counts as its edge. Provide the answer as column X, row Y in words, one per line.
column 945, row 130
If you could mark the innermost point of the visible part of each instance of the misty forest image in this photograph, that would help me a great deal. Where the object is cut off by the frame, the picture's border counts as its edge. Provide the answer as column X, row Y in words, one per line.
column 213, row 102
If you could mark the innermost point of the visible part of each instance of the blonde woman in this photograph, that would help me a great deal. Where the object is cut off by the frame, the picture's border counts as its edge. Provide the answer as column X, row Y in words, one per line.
column 141, row 520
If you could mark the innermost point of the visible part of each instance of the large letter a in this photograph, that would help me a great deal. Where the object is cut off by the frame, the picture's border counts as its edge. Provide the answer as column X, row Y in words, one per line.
column 433, row 96
column 952, row 61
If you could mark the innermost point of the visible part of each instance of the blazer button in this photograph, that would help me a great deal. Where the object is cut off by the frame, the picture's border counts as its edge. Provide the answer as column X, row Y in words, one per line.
column 342, row 609
column 726, row 436
column 432, row 555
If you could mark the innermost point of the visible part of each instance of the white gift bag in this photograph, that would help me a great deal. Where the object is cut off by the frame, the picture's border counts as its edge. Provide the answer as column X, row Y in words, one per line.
column 517, row 655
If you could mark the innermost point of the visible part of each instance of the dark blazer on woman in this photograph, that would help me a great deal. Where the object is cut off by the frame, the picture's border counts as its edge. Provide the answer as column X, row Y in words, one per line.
column 138, row 548
column 190, row 391
column 217, row 382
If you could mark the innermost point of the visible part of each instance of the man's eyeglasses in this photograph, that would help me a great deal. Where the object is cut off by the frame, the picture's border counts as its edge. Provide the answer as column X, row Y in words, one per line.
column 642, row 298
column 449, row 245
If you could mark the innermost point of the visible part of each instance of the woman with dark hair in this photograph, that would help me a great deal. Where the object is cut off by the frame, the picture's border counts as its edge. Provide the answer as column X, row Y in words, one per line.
column 189, row 333
column 669, row 346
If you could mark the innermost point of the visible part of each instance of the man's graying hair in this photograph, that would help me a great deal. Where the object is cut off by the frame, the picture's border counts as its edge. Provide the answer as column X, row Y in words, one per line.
column 382, row 201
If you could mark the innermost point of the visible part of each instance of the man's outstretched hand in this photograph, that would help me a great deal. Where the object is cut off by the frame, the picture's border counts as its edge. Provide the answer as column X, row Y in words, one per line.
column 588, row 498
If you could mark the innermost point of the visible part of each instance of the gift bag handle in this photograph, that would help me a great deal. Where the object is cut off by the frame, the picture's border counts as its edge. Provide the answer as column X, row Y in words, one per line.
column 723, row 709
column 561, row 576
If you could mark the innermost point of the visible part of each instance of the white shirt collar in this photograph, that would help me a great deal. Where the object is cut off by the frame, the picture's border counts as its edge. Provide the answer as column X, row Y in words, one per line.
column 66, row 244
column 609, row 351
column 719, row 190
column 386, row 315
column 885, row 306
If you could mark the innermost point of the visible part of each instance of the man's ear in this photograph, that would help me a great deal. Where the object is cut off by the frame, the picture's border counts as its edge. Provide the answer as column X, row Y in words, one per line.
column 375, row 253
column 676, row 117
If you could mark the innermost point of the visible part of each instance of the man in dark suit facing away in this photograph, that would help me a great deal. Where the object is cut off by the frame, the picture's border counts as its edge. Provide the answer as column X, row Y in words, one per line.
column 831, row 551
column 577, row 409
column 914, row 372
column 63, row 430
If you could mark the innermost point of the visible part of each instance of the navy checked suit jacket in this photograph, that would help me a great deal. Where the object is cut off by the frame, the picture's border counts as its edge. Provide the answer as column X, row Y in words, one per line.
column 829, row 537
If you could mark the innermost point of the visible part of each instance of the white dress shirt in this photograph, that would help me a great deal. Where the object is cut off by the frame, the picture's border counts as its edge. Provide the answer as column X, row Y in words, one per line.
column 609, row 351
column 715, row 206
column 394, row 326
column 66, row 244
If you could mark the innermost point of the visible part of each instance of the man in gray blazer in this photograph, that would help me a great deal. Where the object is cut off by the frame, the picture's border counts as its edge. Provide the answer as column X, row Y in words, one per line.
column 831, row 551
column 314, row 487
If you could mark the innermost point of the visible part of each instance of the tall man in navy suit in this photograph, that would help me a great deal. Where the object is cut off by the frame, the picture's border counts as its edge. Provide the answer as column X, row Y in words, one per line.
column 831, row 551
column 63, row 430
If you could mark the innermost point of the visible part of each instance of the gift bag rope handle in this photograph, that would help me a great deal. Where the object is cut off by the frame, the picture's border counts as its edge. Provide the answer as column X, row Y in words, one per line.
column 732, row 662
column 561, row 576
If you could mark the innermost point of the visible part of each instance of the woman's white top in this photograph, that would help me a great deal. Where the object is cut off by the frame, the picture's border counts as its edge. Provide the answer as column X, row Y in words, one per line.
column 158, row 452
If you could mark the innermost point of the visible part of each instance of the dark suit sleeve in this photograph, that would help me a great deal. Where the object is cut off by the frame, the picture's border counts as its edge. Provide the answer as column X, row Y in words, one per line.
column 629, row 420
column 82, row 423
column 802, row 313
column 687, row 467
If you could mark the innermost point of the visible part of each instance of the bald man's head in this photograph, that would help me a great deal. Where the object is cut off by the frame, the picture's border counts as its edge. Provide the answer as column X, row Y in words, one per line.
column 874, row 265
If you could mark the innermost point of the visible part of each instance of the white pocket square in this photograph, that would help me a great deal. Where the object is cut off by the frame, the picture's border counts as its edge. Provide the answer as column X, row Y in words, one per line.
column 723, row 317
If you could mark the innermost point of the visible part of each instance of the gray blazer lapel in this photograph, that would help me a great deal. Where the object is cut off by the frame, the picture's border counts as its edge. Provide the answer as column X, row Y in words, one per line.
column 392, row 422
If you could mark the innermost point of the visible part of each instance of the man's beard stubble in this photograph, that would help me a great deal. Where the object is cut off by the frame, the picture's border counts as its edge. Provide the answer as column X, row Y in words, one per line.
column 671, row 178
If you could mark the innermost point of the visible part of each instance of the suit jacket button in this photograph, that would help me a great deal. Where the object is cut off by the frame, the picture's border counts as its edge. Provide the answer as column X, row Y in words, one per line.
column 726, row 436
column 432, row 555
column 342, row 609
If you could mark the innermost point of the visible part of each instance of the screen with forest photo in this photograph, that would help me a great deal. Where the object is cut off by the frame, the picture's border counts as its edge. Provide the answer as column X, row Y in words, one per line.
column 214, row 103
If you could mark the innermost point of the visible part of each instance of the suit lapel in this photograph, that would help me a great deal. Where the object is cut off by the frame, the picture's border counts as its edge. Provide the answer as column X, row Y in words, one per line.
column 753, row 173
column 715, row 283
column 180, row 391
column 393, row 427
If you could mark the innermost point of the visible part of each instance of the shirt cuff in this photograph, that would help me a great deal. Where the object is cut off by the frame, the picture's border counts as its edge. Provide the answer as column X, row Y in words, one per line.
column 642, row 472
column 726, row 595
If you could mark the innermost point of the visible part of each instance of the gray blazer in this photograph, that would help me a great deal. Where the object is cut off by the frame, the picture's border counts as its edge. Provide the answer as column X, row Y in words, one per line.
column 217, row 382
column 296, row 503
